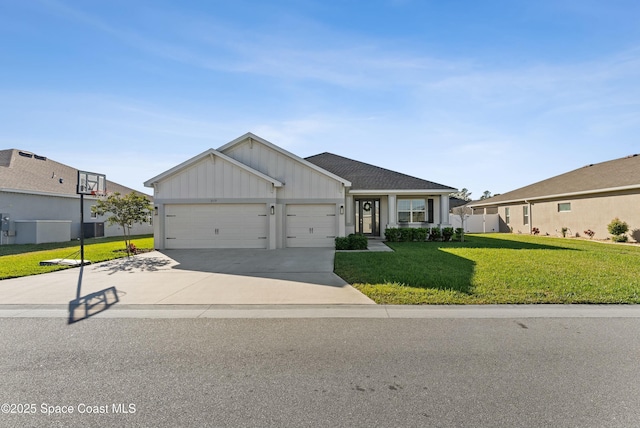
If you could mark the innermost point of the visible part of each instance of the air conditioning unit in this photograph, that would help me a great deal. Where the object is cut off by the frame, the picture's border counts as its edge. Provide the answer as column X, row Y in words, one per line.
column 93, row 230
column 5, row 222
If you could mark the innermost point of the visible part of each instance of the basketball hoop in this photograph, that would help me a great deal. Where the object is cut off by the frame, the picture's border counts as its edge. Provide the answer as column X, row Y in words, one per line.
column 91, row 183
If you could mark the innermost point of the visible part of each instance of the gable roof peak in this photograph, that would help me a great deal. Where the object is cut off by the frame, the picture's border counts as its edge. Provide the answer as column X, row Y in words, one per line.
column 252, row 136
column 210, row 152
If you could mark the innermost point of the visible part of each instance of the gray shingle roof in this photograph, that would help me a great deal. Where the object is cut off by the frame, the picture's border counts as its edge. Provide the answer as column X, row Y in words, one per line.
column 612, row 174
column 364, row 176
column 26, row 171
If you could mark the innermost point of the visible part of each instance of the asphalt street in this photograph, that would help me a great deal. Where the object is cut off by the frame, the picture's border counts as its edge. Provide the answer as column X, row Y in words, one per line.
column 529, row 372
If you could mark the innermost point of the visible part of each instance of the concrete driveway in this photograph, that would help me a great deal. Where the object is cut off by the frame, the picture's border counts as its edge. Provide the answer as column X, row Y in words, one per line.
column 183, row 277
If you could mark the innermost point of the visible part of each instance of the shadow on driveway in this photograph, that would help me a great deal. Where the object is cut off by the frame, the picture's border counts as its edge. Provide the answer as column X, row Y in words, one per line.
column 308, row 265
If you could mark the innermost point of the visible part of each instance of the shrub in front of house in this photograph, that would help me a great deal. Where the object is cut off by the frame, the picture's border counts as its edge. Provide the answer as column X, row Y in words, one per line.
column 618, row 229
column 413, row 234
column 351, row 242
column 406, row 234
column 447, row 233
column 357, row 242
column 435, row 234
column 420, row 234
column 392, row 234
column 342, row 243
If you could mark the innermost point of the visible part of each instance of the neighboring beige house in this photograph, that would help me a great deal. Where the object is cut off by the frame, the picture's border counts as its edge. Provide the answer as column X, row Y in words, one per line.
column 587, row 198
column 39, row 204
column 250, row 193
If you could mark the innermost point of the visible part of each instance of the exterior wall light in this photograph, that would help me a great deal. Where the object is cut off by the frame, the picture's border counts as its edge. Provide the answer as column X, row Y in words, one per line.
column 273, row 210
column 341, row 209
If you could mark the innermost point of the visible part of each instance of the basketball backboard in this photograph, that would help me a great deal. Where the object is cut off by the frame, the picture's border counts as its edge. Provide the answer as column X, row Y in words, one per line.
column 91, row 183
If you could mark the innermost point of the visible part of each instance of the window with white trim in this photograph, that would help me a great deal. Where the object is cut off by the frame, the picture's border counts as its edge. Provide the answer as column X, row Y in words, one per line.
column 525, row 215
column 412, row 211
column 564, row 207
column 507, row 215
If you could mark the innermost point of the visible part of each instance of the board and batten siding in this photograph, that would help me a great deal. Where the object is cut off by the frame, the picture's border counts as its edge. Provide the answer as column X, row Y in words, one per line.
column 300, row 180
column 214, row 178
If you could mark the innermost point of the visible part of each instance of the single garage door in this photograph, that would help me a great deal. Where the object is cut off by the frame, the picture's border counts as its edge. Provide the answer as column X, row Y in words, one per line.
column 215, row 226
column 311, row 225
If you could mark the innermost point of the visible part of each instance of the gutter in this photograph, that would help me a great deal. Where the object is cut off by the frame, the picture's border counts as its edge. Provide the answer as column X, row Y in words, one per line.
column 38, row 193
column 401, row 192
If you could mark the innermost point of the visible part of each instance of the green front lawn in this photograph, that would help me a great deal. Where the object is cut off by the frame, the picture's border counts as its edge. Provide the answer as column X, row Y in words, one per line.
column 496, row 268
column 23, row 260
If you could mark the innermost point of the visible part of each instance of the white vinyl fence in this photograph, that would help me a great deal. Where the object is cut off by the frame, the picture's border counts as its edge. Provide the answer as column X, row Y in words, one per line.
column 476, row 223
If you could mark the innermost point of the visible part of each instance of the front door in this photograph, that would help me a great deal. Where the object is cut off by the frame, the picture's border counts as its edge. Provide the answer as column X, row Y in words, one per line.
column 368, row 216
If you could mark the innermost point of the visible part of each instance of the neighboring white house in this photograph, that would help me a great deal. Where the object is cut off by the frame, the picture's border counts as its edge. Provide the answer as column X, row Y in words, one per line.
column 38, row 202
column 250, row 193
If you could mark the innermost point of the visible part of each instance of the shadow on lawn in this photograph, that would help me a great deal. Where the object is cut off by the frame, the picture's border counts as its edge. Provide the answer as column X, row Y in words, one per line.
column 476, row 241
column 426, row 265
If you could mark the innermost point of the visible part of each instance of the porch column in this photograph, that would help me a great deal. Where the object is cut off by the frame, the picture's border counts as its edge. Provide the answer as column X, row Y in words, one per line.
column 444, row 210
column 391, row 205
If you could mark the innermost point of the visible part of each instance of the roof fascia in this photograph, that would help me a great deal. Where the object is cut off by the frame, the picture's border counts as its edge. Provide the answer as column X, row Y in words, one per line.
column 284, row 152
column 39, row 193
column 197, row 158
column 400, row 191
column 558, row 196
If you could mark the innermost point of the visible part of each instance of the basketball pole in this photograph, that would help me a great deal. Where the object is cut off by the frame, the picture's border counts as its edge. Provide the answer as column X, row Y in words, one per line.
column 81, row 229
column 81, row 246
column 89, row 183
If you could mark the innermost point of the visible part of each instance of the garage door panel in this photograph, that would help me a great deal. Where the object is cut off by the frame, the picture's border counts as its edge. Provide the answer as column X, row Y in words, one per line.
column 312, row 225
column 216, row 226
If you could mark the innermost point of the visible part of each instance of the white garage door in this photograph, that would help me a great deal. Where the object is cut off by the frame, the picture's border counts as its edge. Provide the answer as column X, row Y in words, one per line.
column 311, row 225
column 215, row 226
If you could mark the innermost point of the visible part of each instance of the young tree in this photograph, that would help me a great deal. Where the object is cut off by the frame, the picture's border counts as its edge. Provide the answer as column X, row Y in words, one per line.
column 125, row 211
column 463, row 212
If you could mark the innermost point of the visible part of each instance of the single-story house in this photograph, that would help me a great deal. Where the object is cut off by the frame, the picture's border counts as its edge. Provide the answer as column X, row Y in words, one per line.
column 38, row 202
column 587, row 198
column 250, row 193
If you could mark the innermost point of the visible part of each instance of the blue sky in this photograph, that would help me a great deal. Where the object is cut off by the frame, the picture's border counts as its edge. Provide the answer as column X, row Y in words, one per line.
column 485, row 95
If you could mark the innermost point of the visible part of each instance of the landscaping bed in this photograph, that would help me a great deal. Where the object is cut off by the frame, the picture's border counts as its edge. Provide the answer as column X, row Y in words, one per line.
column 496, row 268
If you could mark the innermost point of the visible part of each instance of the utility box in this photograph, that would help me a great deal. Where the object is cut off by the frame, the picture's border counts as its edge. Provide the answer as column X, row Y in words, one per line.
column 93, row 230
column 5, row 222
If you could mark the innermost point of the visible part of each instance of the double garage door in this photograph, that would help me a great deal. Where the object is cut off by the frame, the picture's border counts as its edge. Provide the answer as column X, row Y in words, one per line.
column 246, row 225
column 216, row 226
